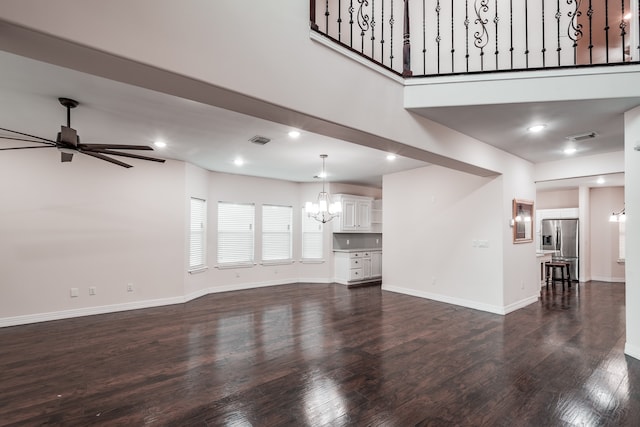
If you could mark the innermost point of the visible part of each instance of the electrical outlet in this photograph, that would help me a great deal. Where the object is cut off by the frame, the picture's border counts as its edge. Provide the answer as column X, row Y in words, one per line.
column 347, row 242
column 129, row 287
column 74, row 292
column 92, row 290
column 433, row 281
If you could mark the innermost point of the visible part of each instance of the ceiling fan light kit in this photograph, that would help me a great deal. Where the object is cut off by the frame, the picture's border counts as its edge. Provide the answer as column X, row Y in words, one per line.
column 68, row 143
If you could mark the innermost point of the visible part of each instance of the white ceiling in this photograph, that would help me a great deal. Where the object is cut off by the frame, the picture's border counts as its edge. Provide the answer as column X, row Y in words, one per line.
column 211, row 137
column 505, row 126
column 207, row 136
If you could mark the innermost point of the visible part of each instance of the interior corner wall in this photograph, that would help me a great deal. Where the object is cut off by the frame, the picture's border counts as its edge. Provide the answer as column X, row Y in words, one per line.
column 632, row 206
column 520, row 275
column 224, row 187
column 86, row 224
column 604, row 254
column 443, row 237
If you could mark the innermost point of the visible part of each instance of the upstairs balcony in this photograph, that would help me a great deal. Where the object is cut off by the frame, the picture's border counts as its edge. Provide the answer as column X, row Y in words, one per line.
column 427, row 38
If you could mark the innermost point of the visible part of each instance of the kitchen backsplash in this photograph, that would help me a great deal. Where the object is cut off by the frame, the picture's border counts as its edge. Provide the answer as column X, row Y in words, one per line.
column 357, row 240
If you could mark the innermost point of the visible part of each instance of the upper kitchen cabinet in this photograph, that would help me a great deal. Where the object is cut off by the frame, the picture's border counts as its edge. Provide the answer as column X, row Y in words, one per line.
column 356, row 214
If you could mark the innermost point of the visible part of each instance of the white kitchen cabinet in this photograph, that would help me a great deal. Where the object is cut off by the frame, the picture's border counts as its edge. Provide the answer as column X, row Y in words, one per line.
column 357, row 267
column 376, row 264
column 356, row 214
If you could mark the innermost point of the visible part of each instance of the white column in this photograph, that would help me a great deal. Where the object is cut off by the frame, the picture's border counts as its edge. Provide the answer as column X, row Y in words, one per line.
column 584, row 244
column 632, row 207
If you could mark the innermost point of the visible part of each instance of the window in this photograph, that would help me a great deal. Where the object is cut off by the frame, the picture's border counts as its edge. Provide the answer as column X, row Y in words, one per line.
column 276, row 232
column 311, row 237
column 235, row 232
column 198, row 234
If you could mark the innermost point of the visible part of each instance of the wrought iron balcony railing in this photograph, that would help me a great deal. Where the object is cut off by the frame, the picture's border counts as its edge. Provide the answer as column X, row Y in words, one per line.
column 441, row 37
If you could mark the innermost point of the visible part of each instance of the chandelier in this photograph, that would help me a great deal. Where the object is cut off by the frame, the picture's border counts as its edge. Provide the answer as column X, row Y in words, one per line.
column 324, row 210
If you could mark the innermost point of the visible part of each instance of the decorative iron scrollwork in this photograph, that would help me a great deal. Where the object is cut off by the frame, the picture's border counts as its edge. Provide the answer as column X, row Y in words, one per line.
column 362, row 17
column 482, row 36
column 575, row 29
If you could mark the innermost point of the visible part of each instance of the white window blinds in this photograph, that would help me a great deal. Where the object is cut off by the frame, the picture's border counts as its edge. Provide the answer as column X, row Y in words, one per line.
column 235, row 232
column 311, row 237
column 198, row 233
column 276, row 232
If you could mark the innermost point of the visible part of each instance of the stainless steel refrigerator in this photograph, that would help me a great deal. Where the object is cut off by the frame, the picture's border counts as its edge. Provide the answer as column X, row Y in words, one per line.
column 561, row 235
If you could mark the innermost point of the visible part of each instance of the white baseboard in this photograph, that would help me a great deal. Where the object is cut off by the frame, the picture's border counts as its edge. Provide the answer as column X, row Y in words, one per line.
column 608, row 279
column 463, row 302
column 135, row 305
column 235, row 287
column 632, row 350
column 521, row 304
column 446, row 299
column 87, row 311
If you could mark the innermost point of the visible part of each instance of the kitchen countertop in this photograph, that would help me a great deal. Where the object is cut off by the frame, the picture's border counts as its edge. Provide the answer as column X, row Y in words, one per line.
column 358, row 250
column 546, row 252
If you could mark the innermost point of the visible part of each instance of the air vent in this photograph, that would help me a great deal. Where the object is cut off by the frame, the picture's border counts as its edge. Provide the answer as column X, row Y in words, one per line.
column 582, row 136
column 260, row 140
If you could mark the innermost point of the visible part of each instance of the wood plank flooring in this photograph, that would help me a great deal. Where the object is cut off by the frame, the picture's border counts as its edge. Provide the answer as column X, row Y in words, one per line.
column 327, row 355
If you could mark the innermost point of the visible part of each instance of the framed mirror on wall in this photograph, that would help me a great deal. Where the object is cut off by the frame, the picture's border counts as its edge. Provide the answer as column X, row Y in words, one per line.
column 522, row 221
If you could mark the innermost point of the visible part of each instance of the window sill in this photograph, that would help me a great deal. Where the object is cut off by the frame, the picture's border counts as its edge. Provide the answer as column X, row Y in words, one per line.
column 277, row 262
column 233, row 265
column 312, row 261
column 198, row 270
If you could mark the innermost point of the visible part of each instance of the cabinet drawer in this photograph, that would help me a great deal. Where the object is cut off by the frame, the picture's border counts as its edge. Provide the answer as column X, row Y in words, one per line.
column 355, row 262
column 356, row 255
column 355, row 274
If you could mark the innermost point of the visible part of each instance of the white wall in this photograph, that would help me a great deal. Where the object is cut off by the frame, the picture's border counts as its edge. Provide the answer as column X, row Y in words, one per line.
column 600, row 164
column 293, row 87
column 557, row 199
column 90, row 223
column 632, row 206
column 436, row 221
column 520, row 265
column 605, row 234
column 85, row 224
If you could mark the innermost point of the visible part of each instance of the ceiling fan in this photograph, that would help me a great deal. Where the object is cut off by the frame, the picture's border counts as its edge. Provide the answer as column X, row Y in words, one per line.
column 68, row 142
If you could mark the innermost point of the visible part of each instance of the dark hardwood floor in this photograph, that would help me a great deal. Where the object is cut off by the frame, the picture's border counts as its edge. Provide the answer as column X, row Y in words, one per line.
column 318, row 355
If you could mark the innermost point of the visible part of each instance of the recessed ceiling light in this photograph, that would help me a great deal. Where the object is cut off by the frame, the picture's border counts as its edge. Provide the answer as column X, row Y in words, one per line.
column 391, row 157
column 537, row 128
column 238, row 162
column 570, row 150
column 601, row 180
column 160, row 144
column 294, row 134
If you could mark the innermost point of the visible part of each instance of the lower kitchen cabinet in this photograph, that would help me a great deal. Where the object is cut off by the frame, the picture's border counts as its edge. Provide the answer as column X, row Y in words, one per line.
column 357, row 267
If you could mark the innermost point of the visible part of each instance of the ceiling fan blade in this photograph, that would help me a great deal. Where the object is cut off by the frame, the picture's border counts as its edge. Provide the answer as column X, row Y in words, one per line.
column 30, row 136
column 66, row 157
column 133, row 156
column 25, row 140
column 23, row 148
column 105, row 158
column 115, row 147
